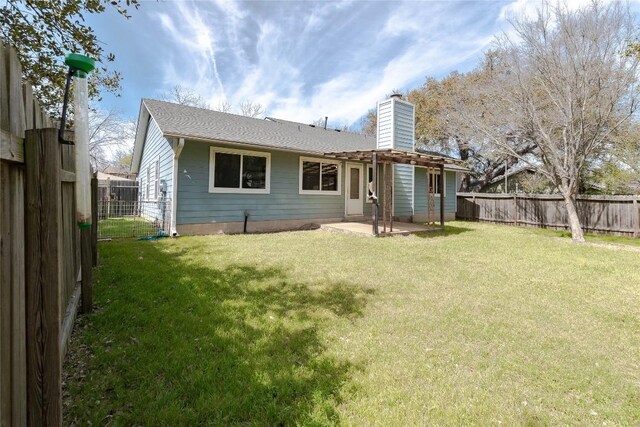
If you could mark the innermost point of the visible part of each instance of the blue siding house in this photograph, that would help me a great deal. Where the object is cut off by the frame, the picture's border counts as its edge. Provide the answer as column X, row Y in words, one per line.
column 211, row 172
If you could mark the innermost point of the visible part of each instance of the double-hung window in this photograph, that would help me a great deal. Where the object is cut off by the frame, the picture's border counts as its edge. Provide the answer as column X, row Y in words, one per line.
column 320, row 176
column 239, row 171
column 434, row 182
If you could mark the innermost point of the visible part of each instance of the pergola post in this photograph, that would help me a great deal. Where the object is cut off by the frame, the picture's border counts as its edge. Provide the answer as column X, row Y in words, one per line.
column 374, row 161
column 441, row 179
column 384, row 197
column 392, row 195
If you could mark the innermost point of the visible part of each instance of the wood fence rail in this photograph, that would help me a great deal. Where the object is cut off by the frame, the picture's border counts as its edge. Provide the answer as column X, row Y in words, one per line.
column 42, row 254
column 618, row 215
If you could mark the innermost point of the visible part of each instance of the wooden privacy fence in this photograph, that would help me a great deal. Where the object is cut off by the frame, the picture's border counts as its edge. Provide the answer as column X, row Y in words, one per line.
column 619, row 215
column 46, row 260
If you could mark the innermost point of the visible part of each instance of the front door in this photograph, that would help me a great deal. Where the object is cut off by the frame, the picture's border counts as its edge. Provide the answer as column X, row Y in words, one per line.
column 354, row 187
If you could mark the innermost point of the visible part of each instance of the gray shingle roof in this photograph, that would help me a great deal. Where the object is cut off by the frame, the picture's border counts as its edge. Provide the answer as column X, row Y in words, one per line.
column 199, row 123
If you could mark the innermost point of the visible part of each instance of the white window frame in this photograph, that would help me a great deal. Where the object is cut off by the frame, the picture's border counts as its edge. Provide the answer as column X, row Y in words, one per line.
column 444, row 180
column 320, row 192
column 156, row 179
column 240, row 190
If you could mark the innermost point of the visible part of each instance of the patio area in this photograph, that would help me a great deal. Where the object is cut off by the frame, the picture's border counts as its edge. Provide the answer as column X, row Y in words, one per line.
column 365, row 228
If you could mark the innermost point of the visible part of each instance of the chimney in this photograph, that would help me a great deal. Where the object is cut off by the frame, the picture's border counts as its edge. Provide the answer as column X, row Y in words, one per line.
column 396, row 123
column 396, row 130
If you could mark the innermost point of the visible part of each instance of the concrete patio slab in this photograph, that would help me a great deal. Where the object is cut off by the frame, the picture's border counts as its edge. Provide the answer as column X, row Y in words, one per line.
column 365, row 228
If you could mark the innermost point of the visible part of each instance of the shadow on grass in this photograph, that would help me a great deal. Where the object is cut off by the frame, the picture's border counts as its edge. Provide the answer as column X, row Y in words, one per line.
column 179, row 342
column 449, row 230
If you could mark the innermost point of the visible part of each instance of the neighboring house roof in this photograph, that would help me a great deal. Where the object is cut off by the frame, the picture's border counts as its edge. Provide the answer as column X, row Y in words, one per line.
column 105, row 176
column 181, row 121
column 121, row 171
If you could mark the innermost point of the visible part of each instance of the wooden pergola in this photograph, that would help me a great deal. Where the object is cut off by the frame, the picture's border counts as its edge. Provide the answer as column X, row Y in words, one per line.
column 392, row 156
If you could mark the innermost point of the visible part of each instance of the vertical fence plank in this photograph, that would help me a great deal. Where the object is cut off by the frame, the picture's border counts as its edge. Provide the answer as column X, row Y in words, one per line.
column 37, row 115
column 27, row 96
column 5, row 303
column 18, row 341
column 5, row 275
column 4, row 88
column 43, row 257
column 17, row 121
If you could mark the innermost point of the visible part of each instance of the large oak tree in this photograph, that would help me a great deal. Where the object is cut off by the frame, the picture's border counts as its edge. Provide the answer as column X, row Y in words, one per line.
column 564, row 83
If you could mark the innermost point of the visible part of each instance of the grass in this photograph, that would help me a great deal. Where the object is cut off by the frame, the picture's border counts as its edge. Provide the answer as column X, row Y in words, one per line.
column 593, row 238
column 125, row 227
column 482, row 325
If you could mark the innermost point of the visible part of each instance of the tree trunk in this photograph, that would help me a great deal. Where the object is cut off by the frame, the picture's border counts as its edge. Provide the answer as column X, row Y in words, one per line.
column 464, row 156
column 574, row 222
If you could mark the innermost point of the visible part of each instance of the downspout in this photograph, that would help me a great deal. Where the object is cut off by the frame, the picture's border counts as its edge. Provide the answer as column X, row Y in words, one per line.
column 178, row 145
column 247, row 214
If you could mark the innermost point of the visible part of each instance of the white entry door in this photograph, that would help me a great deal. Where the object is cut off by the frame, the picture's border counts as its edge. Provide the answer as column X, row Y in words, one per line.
column 354, row 189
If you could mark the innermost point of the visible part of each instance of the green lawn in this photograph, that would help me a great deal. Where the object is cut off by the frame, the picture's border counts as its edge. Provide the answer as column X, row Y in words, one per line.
column 486, row 325
column 593, row 238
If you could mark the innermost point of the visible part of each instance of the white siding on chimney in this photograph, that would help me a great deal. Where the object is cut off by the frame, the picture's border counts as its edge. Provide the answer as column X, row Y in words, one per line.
column 396, row 129
column 404, row 125
column 385, row 124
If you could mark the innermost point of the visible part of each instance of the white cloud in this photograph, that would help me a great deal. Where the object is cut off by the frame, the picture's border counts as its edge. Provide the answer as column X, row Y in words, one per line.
column 307, row 60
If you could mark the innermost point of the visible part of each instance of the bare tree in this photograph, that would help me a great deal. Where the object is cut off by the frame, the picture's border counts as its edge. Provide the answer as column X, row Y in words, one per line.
column 184, row 96
column 369, row 123
column 250, row 109
column 223, row 107
column 566, row 83
column 110, row 135
column 341, row 125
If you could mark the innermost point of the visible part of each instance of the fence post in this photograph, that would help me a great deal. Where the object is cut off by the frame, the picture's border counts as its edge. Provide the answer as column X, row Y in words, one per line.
column 43, row 249
column 473, row 207
column 94, row 215
column 636, row 217
column 515, row 209
column 86, row 263
column 108, row 198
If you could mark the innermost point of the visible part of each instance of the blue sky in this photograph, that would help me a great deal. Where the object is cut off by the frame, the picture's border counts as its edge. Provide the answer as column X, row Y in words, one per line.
column 300, row 60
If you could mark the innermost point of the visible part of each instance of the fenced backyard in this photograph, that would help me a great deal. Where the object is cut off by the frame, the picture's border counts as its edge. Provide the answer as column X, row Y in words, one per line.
column 477, row 325
column 122, row 215
column 122, row 219
column 45, row 274
column 615, row 215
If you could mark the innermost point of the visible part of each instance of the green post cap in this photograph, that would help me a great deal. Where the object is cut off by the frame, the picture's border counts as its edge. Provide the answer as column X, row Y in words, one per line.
column 80, row 63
